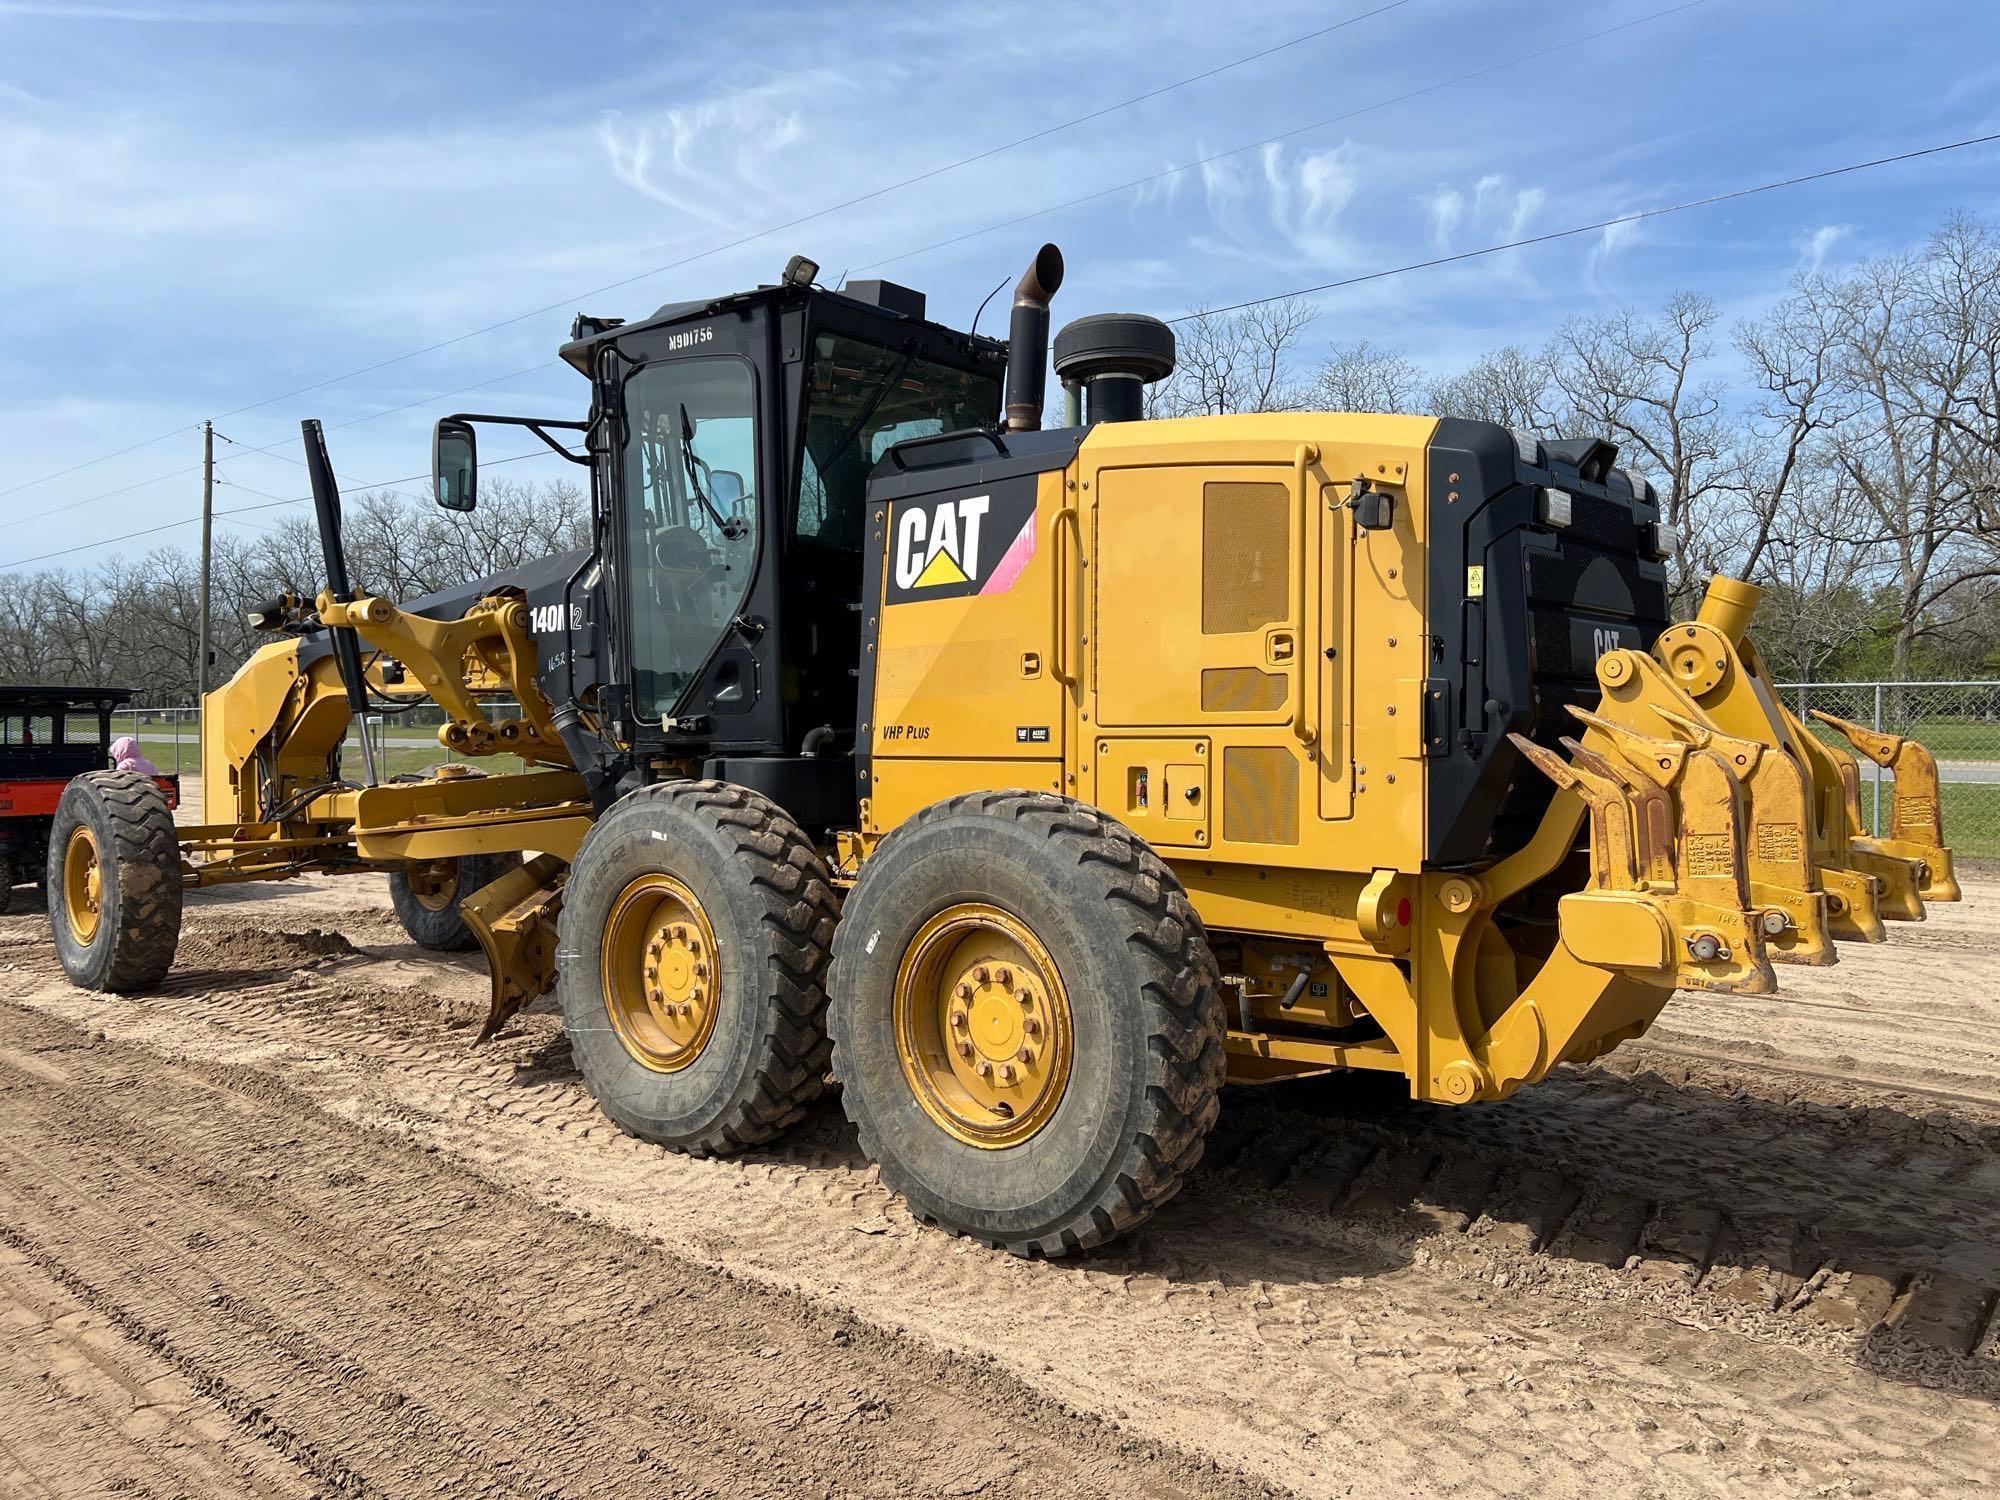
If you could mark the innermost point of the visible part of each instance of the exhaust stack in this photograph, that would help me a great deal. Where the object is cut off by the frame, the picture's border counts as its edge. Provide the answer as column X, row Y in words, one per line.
column 1028, row 340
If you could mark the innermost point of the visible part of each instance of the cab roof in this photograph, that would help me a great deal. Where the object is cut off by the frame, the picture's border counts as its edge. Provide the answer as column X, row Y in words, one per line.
column 879, row 297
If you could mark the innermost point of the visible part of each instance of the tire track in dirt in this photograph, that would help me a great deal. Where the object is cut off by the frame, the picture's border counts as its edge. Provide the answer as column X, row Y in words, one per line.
column 68, row 1377
column 390, row 1324
column 1814, row 1217
column 1315, row 1340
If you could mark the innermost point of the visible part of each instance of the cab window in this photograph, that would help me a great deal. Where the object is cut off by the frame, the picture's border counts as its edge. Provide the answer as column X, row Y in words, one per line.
column 690, row 516
column 862, row 398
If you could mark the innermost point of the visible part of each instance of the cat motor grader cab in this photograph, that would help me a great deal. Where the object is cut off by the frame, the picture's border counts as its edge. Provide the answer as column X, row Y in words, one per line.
column 1031, row 783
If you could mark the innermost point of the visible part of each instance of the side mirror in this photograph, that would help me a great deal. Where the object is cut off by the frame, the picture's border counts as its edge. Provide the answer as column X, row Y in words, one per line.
column 727, row 486
column 455, row 464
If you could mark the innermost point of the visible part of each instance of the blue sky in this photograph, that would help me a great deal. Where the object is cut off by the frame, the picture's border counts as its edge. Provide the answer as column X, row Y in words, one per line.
column 203, row 205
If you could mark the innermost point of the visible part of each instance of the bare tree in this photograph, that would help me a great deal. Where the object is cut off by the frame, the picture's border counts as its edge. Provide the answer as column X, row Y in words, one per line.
column 1793, row 353
column 1510, row 386
column 1915, row 339
column 1236, row 361
column 1366, row 377
column 1638, row 382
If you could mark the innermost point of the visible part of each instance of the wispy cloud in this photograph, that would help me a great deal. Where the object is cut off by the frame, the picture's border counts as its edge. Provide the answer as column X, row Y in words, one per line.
column 1447, row 210
column 1816, row 245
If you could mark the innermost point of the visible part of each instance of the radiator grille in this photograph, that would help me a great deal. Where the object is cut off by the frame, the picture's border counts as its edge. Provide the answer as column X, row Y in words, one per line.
column 1260, row 795
column 1240, row 690
column 1245, row 556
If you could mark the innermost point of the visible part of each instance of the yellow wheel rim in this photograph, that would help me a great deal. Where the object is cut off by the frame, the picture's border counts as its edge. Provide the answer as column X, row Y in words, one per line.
column 983, row 1026
column 83, row 885
column 434, row 883
column 661, row 973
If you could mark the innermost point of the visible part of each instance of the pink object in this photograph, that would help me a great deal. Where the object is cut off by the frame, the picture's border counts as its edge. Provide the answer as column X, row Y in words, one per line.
column 1012, row 562
column 126, row 757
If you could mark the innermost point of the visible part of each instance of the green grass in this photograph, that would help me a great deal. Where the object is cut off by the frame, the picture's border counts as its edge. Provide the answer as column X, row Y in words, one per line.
column 1971, row 819
column 1947, row 739
column 401, row 757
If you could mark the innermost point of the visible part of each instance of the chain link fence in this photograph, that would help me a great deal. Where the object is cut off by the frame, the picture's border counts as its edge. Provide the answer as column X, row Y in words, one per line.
column 1960, row 724
column 404, row 743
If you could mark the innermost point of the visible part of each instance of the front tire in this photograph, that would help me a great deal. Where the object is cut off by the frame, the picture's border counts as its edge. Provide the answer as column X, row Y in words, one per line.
column 427, row 896
column 695, row 934
column 1026, row 1023
column 114, row 873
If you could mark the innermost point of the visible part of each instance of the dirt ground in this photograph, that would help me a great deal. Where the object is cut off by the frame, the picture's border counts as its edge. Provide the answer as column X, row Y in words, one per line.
column 279, row 1230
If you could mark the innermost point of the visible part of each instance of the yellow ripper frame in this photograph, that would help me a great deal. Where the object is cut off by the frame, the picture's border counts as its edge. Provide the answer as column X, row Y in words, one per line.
column 1723, row 837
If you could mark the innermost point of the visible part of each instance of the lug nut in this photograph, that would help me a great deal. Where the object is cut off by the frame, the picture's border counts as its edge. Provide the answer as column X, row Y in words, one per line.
column 1004, row 978
column 983, row 1068
column 1025, row 1055
column 964, row 1047
column 679, row 934
column 963, row 992
column 958, row 1018
column 701, row 971
column 1006, row 1072
column 1031, row 1025
column 1025, row 996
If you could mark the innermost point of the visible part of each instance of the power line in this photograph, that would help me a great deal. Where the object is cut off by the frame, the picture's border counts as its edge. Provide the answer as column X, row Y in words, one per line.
column 1286, row 135
column 1631, row 218
column 1539, row 239
column 765, row 233
column 270, row 449
column 273, row 503
column 1712, row 199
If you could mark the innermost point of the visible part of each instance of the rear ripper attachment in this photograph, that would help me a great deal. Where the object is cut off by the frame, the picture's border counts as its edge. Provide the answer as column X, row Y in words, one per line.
column 1723, row 835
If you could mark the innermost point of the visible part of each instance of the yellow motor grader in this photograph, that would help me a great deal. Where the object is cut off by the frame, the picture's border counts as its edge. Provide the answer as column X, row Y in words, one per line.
column 1031, row 783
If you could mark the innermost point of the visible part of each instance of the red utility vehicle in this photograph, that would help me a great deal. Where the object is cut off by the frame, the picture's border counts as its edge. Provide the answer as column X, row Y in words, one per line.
column 48, row 735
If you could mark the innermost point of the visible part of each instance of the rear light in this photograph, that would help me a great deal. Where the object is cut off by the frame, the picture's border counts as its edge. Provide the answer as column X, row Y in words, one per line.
column 1556, row 507
column 1661, row 540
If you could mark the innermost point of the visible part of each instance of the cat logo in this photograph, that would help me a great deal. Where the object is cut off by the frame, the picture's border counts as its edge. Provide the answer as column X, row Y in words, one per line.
column 944, row 547
column 939, row 544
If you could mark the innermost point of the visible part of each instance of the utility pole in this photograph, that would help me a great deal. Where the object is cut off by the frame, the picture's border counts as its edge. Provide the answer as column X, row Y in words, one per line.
column 207, row 529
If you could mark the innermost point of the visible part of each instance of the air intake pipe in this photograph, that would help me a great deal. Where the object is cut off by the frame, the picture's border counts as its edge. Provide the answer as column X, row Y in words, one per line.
column 1028, row 340
column 1115, row 356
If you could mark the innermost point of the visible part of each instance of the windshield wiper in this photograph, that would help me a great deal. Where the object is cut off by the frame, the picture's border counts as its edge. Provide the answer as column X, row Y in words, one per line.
column 732, row 529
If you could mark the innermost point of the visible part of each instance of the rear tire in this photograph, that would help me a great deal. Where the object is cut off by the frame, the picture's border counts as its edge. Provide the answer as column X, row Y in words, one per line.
column 1062, row 915
column 114, row 874
column 695, row 933
column 427, row 898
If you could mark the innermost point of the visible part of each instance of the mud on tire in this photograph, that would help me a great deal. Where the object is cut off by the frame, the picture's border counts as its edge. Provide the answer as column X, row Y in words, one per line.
column 766, row 896
column 118, row 931
column 442, row 928
column 1146, row 1018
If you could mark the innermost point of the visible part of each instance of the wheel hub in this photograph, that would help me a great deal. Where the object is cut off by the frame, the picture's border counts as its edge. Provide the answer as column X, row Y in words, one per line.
column 434, row 883
column 659, row 972
column 983, row 1026
column 83, row 885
